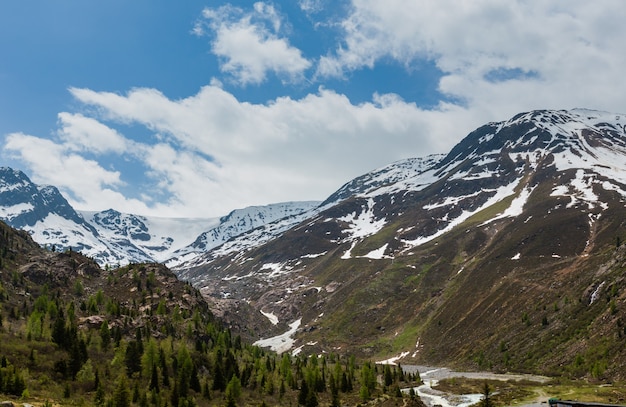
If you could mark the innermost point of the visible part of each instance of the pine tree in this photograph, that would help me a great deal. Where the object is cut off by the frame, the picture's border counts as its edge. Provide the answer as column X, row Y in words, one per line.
column 136, row 392
column 59, row 333
column 174, row 396
column 154, row 379
column 164, row 371
column 219, row 381
column 100, row 396
column 105, row 335
column 486, row 401
column 303, row 394
column 121, row 396
column 194, row 382
column 133, row 358
column 388, row 376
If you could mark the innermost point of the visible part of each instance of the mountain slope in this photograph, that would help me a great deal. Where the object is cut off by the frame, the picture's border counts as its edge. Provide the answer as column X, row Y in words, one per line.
column 74, row 334
column 491, row 256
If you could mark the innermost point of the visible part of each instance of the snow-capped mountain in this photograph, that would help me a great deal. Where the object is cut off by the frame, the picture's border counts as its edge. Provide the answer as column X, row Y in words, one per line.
column 43, row 211
column 113, row 238
column 387, row 175
column 528, row 205
column 139, row 238
column 229, row 238
column 245, row 221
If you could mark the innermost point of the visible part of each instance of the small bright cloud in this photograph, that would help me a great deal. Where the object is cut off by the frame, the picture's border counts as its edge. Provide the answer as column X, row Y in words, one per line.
column 250, row 45
column 87, row 134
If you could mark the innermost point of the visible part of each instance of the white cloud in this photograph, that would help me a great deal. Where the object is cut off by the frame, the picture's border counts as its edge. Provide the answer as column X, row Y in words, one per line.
column 52, row 163
column 86, row 182
column 250, row 43
column 212, row 153
column 548, row 49
column 311, row 6
column 87, row 134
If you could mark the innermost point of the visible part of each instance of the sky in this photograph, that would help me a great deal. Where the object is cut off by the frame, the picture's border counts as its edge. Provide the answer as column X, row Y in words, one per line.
column 196, row 108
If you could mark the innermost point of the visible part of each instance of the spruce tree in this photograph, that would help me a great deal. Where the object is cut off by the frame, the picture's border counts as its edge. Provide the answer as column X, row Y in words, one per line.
column 154, row 379
column 121, row 396
column 486, row 401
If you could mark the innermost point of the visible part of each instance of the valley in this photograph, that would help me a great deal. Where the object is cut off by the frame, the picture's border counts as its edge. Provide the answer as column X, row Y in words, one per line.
column 504, row 255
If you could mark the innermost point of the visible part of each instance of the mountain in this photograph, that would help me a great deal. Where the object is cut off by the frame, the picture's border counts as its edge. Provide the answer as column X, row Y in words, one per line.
column 43, row 211
column 506, row 253
column 241, row 221
column 113, row 238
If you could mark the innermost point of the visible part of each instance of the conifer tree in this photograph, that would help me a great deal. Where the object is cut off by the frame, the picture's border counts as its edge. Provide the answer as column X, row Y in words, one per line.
column 303, row 394
column 154, row 379
column 105, row 335
column 121, row 396
column 99, row 398
column 486, row 401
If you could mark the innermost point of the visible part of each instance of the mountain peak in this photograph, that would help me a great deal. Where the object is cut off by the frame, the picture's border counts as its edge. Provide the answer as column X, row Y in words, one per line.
column 544, row 132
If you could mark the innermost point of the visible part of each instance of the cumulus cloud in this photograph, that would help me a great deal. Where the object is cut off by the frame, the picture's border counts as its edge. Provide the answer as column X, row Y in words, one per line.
column 210, row 153
column 230, row 152
column 63, row 163
column 514, row 54
column 250, row 44
column 53, row 163
column 87, row 134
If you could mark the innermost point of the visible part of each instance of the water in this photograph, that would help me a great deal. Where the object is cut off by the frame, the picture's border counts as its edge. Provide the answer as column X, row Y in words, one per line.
column 431, row 375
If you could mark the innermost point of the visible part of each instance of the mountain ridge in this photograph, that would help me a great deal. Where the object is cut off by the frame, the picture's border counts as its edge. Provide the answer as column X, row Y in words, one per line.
column 113, row 238
column 522, row 220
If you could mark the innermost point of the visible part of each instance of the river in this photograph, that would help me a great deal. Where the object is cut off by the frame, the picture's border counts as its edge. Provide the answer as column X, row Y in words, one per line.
column 432, row 397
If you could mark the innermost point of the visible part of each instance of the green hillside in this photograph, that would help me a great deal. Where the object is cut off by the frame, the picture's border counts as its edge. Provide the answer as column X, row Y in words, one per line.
column 73, row 334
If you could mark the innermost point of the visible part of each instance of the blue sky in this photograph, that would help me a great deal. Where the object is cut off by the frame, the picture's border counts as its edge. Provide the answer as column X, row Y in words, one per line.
column 196, row 108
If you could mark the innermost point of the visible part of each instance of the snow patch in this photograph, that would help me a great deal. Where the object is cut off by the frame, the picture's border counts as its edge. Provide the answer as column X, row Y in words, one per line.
column 348, row 253
column 276, row 269
column 281, row 343
column 516, row 208
column 313, row 256
column 393, row 360
column 11, row 212
column 377, row 254
column 363, row 224
column 273, row 318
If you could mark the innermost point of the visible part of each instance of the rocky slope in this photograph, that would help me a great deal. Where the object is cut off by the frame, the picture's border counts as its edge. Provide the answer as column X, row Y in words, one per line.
column 505, row 253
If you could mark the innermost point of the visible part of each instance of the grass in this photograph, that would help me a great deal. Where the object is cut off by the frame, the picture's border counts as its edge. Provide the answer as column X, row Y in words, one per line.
column 407, row 338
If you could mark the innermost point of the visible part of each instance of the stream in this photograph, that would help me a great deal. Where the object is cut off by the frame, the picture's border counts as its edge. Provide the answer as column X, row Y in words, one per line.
column 432, row 397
